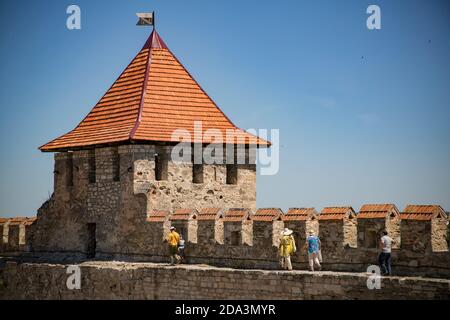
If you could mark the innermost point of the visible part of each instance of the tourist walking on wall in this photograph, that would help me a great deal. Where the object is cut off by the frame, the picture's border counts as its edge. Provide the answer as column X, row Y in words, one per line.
column 314, row 251
column 173, row 239
column 181, row 246
column 384, row 259
column 287, row 248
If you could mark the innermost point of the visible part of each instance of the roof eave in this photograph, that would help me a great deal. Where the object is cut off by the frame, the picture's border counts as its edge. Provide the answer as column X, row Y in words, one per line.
column 129, row 141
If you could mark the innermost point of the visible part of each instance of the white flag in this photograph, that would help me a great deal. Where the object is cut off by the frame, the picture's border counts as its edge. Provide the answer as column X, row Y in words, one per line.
column 146, row 19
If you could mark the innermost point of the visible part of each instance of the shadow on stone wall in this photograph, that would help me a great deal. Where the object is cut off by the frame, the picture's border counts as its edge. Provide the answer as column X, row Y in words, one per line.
column 242, row 239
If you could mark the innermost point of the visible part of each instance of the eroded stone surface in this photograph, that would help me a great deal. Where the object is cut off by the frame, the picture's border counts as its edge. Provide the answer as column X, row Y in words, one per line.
column 114, row 280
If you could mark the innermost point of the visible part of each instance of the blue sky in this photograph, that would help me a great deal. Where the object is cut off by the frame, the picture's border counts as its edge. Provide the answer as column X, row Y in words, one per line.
column 363, row 114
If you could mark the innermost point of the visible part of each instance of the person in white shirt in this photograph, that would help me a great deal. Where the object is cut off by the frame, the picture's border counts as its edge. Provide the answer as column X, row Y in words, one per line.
column 181, row 247
column 384, row 259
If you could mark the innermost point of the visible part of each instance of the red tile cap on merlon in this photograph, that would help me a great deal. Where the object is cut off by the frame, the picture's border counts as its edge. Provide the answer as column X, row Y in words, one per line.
column 158, row 215
column 299, row 214
column 209, row 214
column 184, row 214
column 377, row 211
column 422, row 212
column 236, row 215
column 267, row 214
column 336, row 213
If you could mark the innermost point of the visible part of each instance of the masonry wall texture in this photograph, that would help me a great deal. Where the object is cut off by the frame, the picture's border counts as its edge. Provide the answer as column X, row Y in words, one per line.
column 369, row 231
column 119, row 208
column 264, row 232
column 116, row 189
column 392, row 225
column 210, row 232
column 439, row 230
column 112, row 280
column 263, row 253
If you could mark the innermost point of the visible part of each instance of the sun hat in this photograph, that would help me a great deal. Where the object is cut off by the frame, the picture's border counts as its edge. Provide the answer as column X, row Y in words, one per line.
column 287, row 232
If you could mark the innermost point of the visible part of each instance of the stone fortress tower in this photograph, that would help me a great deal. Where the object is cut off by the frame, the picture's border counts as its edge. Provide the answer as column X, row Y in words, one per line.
column 116, row 167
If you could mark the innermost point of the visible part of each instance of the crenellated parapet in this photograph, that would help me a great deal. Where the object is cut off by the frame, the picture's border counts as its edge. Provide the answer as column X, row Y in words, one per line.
column 15, row 234
column 159, row 224
column 424, row 228
column 250, row 239
column 185, row 221
column 301, row 221
column 240, row 237
column 374, row 218
column 337, row 230
column 210, row 228
column 267, row 226
column 238, row 227
column 419, row 229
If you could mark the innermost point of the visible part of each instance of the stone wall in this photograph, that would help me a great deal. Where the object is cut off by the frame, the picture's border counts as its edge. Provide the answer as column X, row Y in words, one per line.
column 158, row 232
column 331, row 233
column 232, row 233
column 14, row 235
column 266, row 233
column 66, row 207
column 3, row 236
column 369, row 232
column 124, row 192
column 416, row 236
column 179, row 191
column 255, row 245
column 108, row 280
column 392, row 226
column 438, row 234
column 187, row 229
column 350, row 232
column 210, row 231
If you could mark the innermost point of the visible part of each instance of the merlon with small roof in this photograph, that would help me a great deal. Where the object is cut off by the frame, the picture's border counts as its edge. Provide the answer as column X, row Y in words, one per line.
column 377, row 211
column 422, row 212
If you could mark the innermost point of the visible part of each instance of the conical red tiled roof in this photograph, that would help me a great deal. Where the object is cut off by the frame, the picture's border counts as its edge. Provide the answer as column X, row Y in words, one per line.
column 154, row 96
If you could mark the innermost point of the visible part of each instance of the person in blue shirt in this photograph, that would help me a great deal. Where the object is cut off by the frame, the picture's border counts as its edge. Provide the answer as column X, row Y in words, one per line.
column 313, row 243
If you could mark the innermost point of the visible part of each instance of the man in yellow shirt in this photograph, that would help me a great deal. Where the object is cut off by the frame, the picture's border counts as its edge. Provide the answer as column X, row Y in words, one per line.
column 173, row 239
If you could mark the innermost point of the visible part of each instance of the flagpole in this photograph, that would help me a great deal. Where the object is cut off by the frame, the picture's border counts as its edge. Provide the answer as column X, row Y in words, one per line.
column 153, row 19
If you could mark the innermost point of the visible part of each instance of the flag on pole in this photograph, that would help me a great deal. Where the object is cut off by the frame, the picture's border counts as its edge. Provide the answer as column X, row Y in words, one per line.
column 146, row 19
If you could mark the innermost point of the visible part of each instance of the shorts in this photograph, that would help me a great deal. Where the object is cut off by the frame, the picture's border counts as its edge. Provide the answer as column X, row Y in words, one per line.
column 173, row 250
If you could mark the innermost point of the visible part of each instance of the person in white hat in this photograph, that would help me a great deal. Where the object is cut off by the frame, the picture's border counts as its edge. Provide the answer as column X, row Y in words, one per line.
column 286, row 248
column 314, row 253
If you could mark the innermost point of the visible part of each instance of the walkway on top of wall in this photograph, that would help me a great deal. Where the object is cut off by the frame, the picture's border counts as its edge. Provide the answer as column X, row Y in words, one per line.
column 123, row 265
column 126, row 280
